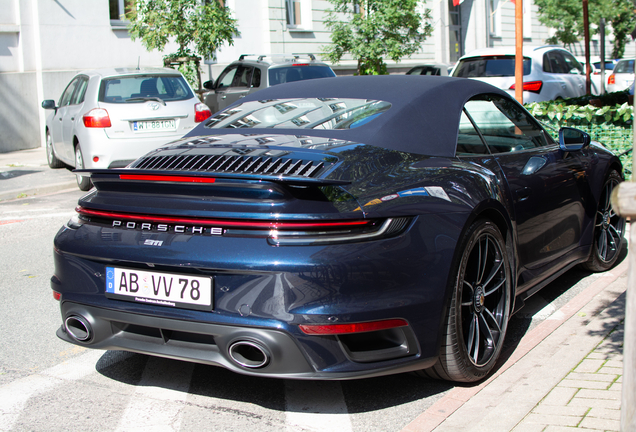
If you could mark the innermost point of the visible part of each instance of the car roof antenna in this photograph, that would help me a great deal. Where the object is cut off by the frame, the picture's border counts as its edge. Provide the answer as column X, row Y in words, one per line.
column 138, row 61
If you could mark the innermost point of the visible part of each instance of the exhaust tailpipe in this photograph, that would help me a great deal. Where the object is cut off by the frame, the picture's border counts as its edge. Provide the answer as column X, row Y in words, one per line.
column 78, row 328
column 249, row 354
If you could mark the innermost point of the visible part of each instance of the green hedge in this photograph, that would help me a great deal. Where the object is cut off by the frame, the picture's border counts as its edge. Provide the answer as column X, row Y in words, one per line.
column 610, row 125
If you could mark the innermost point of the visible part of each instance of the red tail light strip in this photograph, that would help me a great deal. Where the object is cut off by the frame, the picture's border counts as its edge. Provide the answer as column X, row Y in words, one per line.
column 168, row 178
column 336, row 329
column 224, row 223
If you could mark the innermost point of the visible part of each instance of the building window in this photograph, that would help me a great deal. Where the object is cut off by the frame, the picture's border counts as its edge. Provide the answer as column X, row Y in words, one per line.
column 495, row 18
column 298, row 15
column 118, row 11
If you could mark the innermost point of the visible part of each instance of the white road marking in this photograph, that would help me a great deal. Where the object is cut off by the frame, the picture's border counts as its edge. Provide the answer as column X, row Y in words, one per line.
column 14, row 396
column 41, row 216
column 316, row 406
column 145, row 412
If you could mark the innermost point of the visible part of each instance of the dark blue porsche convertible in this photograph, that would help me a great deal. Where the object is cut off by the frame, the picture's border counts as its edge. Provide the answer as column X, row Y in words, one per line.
column 337, row 228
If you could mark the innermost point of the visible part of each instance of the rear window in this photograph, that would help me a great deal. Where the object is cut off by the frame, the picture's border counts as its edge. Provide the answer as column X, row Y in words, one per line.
column 491, row 66
column 280, row 75
column 424, row 70
column 308, row 113
column 139, row 88
column 624, row 66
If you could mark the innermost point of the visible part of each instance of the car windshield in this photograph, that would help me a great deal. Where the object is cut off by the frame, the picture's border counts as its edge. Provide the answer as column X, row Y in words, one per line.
column 309, row 113
column 140, row 88
column 624, row 66
column 279, row 75
column 490, row 66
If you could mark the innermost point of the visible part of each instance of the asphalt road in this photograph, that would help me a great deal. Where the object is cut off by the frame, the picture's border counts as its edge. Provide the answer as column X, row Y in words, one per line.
column 47, row 384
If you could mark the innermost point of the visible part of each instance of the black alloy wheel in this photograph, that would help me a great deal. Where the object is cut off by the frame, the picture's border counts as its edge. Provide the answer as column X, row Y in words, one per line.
column 609, row 229
column 477, row 317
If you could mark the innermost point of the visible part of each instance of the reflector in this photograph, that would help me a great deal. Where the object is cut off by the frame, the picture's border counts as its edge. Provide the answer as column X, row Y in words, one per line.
column 336, row 329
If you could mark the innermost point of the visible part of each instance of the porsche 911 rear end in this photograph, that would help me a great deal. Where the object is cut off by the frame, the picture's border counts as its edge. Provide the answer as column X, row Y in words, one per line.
column 256, row 258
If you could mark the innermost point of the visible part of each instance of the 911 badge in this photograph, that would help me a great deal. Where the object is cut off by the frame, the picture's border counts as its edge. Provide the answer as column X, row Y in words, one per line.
column 150, row 242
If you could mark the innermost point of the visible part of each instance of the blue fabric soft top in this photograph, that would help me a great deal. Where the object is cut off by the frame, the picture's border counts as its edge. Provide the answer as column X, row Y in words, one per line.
column 423, row 119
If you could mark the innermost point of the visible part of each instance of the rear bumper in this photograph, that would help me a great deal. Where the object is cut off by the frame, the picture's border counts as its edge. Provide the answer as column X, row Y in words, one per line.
column 211, row 344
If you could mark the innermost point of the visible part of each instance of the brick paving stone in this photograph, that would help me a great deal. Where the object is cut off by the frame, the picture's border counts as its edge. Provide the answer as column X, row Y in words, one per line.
column 589, row 365
column 617, row 386
column 604, row 413
column 557, row 420
column 569, row 429
column 583, row 384
column 602, row 424
column 610, row 370
column 592, row 377
column 600, row 403
column 613, row 363
column 527, row 427
column 572, row 411
column 598, row 394
column 597, row 356
column 559, row 396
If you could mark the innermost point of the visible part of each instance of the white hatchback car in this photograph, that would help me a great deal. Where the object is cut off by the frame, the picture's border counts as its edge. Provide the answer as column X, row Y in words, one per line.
column 549, row 72
column 622, row 77
column 107, row 118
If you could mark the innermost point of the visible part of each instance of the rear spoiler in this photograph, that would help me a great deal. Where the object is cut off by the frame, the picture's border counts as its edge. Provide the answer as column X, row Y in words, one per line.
column 194, row 177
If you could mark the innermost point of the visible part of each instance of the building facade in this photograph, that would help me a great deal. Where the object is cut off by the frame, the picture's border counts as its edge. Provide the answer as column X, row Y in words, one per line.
column 43, row 43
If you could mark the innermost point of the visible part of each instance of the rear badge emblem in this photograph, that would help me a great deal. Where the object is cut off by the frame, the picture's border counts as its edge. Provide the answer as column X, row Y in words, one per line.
column 150, row 242
column 153, row 106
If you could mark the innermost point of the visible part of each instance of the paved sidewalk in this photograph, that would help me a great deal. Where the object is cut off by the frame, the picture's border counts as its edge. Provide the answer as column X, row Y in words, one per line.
column 26, row 172
column 564, row 375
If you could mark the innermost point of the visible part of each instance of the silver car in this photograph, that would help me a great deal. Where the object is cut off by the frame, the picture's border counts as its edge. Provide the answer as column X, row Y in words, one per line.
column 107, row 118
column 549, row 72
column 247, row 75
column 622, row 77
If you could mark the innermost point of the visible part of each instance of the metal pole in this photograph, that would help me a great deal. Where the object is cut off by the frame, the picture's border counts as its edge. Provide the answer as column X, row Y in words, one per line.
column 586, row 30
column 628, row 399
column 601, row 29
column 519, row 51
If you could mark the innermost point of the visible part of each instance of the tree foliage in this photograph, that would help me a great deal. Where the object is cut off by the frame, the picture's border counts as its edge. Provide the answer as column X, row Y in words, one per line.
column 372, row 30
column 566, row 16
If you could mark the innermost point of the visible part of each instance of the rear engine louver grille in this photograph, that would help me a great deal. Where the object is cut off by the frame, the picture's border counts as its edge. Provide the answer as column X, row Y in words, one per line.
column 235, row 164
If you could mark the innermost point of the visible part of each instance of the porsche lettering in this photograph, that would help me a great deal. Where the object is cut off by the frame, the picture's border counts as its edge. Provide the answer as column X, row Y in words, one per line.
column 178, row 229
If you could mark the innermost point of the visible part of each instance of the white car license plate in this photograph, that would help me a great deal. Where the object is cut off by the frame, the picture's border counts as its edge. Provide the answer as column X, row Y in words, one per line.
column 154, row 125
column 157, row 288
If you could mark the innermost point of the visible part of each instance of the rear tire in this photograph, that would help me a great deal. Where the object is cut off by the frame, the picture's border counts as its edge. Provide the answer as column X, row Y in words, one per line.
column 52, row 160
column 83, row 182
column 609, row 230
column 477, row 316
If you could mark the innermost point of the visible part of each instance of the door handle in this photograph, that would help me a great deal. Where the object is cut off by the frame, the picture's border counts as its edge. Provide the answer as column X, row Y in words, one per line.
column 242, row 96
column 523, row 193
column 223, row 97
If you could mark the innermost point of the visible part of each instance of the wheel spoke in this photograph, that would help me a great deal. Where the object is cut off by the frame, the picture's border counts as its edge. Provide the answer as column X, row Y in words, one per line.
column 493, row 272
column 494, row 321
column 495, row 288
column 476, row 339
column 483, row 260
column 471, row 335
column 602, row 245
column 472, row 293
column 485, row 329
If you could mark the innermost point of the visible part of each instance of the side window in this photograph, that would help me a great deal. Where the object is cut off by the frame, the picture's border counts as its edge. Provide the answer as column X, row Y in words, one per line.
column 80, row 92
column 468, row 140
column 256, row 78
column 505, row 126
column 68, row 93
column 243, row 77
column 226, row 78
column 572, row 65
column 553, row 62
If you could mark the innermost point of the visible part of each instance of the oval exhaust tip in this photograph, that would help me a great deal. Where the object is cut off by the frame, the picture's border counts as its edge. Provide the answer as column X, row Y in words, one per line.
column 78, row 328
column 249, row 354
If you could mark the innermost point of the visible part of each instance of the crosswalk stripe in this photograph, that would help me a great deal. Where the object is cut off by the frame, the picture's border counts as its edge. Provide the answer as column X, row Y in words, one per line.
column 316, row 406
column 147, row 410
column 14, row 396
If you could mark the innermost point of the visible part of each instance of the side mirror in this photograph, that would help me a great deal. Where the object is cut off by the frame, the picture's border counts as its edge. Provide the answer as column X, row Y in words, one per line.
column 48, row 104
column 208, row 85
column 571, row 139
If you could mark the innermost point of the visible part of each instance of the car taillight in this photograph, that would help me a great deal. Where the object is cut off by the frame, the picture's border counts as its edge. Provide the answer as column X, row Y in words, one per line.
column 300, row 64
column 531, row 86
column 363, row 327
column 57, row 296
column 96, row 118
column 611, row 79
column 201, row 112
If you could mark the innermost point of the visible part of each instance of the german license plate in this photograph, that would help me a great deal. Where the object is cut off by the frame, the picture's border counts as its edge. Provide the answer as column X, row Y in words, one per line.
column 154, row 125
column 158, row 288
